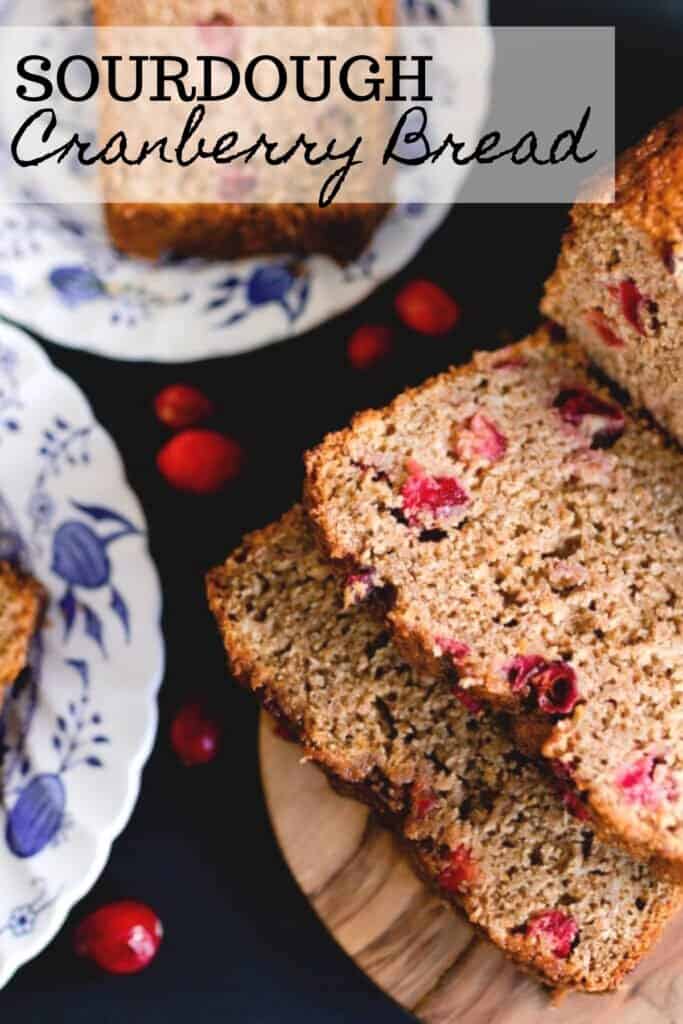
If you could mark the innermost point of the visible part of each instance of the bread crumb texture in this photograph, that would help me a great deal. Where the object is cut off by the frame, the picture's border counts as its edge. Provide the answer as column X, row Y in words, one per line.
column 483, row 827
column 525, row 530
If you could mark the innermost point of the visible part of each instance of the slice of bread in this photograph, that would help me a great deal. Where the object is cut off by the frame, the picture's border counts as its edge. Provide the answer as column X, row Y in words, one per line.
column 526, row 530
column 21, row 602
column 618, row 286
column 482, row 826
column 234, row 230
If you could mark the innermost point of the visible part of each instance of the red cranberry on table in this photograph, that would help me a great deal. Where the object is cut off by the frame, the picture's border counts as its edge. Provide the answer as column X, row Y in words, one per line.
column 427, row 308
column 368, row 346
column 195, row 735
column 200, row 461
column 181, row 405
column 122, row 938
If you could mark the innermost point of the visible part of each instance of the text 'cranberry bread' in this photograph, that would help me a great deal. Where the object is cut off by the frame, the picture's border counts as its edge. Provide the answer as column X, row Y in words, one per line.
column 21, row 601
column 488, row 833
column 527, row 533
column 618, row 286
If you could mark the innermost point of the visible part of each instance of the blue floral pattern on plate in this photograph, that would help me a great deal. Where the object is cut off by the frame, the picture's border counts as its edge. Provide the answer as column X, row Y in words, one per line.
column 60, row 276
column 85, row 706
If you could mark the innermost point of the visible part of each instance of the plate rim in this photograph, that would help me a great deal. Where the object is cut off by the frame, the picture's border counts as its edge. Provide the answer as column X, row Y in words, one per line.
column 69, row 895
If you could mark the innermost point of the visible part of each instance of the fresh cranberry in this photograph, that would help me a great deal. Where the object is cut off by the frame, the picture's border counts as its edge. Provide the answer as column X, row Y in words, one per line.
column 567, row 792
column 368, row 346
column 435, row 496
column 603, row 327
column 181, row 405
column 121, row 938
column 423, row 799
column 480, row 439
column 459, row 872
column 427, row 308
column 195, row 736
column 552, row 682
column 557, row 928
column 631, row 299
column 647, row 781
column 556, row 688
column 200, row 461
column 599, row 421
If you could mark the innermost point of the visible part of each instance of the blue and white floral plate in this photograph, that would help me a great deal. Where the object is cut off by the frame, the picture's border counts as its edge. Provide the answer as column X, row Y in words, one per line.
column 80, row 723
column 60, row 276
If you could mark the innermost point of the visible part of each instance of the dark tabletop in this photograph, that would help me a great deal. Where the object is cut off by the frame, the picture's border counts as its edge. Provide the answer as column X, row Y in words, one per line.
column 241, row 942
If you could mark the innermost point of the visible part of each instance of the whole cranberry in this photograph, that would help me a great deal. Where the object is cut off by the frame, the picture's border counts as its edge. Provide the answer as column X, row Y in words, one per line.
column 368, row 346
column 181, row 405
column 122, row 938
column 200, row 461
column 427, row 308
column 195, row 735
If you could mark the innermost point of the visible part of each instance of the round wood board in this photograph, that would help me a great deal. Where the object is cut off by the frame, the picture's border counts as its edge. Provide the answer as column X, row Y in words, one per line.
column 416, row 949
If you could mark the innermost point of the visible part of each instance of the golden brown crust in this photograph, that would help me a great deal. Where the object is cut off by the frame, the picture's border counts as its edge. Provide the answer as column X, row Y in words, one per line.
column 649, row 184
column 648, row 196
column 23, row 599
column 230, row 231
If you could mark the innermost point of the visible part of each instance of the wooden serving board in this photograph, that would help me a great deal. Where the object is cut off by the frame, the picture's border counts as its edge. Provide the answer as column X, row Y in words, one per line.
column 416, row 949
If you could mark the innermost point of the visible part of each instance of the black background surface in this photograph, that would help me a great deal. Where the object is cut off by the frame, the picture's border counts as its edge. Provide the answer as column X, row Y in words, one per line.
column 241, row 942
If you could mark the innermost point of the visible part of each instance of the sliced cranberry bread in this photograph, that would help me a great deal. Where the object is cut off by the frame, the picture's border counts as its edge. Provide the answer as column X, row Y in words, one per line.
column 235, row 230
column 618, row 286
column 484, row 829
column 525, row 531
column 21, row 600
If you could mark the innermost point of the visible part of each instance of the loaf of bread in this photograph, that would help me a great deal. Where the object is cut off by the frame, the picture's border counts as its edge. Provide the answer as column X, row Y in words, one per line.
column 233, row 230
column 21, row 601
column 525, row 532
column 618, row 286
column 483, row 828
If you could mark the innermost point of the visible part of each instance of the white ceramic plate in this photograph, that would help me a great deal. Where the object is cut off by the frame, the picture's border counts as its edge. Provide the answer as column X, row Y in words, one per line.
column 60, row 276
column 81, row 721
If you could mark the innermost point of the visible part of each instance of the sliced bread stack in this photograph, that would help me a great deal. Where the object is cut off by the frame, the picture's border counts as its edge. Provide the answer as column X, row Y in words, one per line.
column 476, row 626
column 483, row 827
